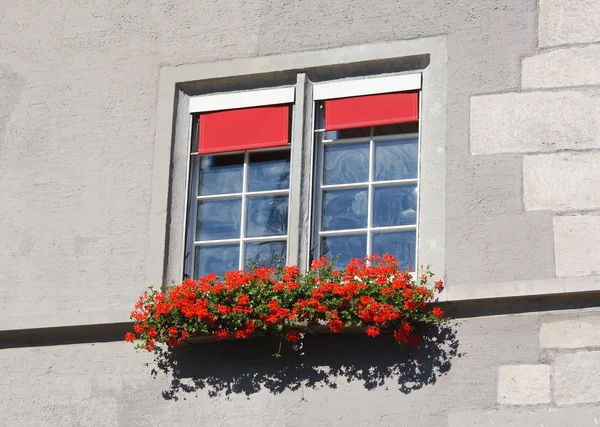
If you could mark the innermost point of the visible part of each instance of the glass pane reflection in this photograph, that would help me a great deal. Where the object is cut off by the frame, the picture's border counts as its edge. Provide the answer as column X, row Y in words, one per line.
column 269, row 170
column 217, row 259
column 266, row 254
column 346, row 163
column 267, row 216
column 219, row 219
column 341, row 249
column 221, row 174
column 395, row 206
column 396, row 159
column 400, row 244
column 344, row 209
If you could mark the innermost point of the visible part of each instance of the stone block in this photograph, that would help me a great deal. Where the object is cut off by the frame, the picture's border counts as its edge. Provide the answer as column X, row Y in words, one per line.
column 512, row 247
column 577, row 244
column 534, row 122
column 576, row 66
column 524, row 384
column 561, row 181
column 576, row 378
column 572, row 333
column 568, row 21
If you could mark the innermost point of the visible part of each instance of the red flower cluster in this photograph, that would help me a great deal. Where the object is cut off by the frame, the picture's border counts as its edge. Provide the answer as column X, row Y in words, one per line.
column 403, row 334
column 370, row 311
column 293, row 336
column 372, row 293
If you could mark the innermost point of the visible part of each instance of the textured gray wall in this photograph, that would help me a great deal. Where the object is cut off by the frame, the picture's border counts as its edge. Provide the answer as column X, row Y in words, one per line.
column 78, row 95
column 77, row 113
column 370, row 382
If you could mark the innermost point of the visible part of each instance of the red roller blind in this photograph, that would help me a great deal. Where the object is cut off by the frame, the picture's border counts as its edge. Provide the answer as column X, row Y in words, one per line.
column 371, row 110
column 243, row 129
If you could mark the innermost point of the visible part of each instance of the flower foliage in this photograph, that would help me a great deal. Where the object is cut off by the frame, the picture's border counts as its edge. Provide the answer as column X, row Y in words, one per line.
column 372, row 293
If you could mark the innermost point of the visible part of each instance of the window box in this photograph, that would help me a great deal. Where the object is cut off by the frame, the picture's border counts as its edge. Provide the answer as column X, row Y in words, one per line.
column 367, row 296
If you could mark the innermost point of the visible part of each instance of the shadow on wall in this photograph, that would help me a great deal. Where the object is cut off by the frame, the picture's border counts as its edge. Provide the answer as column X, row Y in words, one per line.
column 247, row 367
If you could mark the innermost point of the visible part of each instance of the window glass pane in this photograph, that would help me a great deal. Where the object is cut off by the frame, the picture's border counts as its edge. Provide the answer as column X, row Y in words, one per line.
column 219, row 219
column 396, row 159
column 344, row 209
column 217, row 259
column 346, row 163
column 221, row 174
column 269, row 170
column 266, row 254
column 400, row 244
column 395, row 205
column 266, row 216
column 344, row 248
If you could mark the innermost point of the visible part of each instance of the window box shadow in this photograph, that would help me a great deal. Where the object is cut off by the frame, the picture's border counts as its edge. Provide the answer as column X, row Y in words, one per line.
column 322, row 360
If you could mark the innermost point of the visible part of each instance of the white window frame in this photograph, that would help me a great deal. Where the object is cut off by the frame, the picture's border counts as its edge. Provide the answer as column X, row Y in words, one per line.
column 350, row 88
column 287, row 95
column 219, row 102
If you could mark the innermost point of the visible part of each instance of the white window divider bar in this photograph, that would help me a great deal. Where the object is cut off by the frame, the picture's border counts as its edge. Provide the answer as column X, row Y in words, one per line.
column 227, row 196
column 259, row 239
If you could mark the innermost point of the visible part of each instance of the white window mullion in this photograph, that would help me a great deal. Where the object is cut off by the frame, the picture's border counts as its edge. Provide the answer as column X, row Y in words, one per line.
column 345, row 186
column 247, row 194
column 370, row 193
column 216, row 242
column 268, row 193
column 264, row 239
column 191, row 204
column 318, row 212
column 244, row 202
column 397, row 182
column 220, row 196
column 419, row 129
column 345, row 232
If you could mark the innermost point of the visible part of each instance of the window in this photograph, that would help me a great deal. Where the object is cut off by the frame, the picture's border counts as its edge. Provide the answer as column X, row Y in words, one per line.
column 238, row 184
column 364, row 174
column 366, row 192
column 367, row 198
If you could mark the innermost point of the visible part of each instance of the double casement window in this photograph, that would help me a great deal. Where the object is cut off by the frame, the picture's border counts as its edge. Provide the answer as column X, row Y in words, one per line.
column 364, row 174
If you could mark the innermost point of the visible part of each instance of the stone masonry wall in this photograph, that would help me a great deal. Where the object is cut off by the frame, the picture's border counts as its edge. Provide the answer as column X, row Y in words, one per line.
column 562, row 387
column 532, row 369
column 554, row 122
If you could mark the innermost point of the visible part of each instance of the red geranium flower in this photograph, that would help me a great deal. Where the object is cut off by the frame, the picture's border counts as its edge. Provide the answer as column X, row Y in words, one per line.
column 221, row 334
column 437, row 312
column 373, row 331
column 293, row 335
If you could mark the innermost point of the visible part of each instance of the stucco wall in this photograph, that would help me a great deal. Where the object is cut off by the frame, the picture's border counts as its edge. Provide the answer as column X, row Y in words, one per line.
column 374, row 383
column 78, row 111
column 79, row 88
column 526, row 370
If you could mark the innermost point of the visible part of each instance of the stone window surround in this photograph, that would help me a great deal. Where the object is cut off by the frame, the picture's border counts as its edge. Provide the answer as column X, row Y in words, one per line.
column 178, row 84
